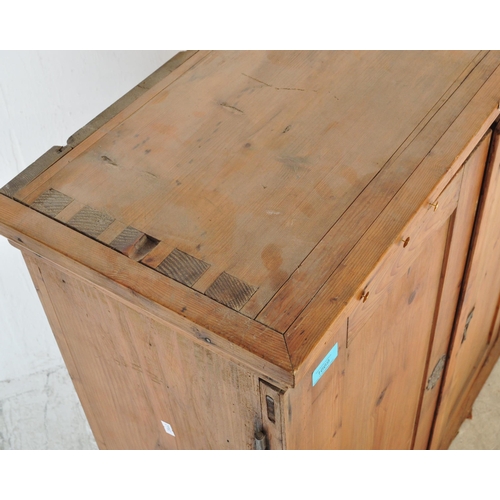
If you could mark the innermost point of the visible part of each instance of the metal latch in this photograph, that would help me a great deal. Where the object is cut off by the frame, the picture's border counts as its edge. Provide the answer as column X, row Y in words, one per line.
column 270, row 409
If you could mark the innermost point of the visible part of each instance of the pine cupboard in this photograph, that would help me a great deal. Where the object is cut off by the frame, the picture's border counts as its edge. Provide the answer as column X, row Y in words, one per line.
column 275, row 250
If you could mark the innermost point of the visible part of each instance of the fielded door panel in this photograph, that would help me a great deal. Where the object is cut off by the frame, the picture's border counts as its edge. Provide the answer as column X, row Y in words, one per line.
column 476, row 326
column 391, row 332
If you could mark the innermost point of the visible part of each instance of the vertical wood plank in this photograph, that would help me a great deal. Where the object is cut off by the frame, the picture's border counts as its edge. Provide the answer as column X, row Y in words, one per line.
column 35, row 271
column 314, row 413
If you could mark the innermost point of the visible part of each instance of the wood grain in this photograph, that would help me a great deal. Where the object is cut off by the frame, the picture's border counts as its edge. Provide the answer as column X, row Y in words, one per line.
column 110, row 121
column 84, row 394
column 345, row 411
column 182, row 267
column 245, row 222
column 387, row 353
column 133, row 243
column 140, row 373
column 126, row 240
column 320, row 264
column 203, row 248
column 90, row 221
column 454, row 266
column 478, row 305
column 465, row 409
column 30, row 173
column 126, row 100
column 51, row 202
column 420, row 189
column 230, row 291
column 265, row 156
column 314, row 415
column 200, row 317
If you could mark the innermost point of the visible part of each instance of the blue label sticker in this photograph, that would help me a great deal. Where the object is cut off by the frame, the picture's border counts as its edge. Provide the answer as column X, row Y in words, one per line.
column 325, row 364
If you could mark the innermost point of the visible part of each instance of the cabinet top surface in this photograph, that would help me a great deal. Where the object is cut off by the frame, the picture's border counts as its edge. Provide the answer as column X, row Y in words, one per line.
column 249, row 176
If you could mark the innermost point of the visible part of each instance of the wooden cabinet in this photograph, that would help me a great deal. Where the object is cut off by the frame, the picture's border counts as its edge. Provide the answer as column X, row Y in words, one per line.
column 275, row 250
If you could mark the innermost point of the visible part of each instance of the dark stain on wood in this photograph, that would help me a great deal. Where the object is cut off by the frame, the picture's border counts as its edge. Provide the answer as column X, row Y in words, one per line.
column 126, row 239
column 133, row 243
column 233, row 109
column 108, row 160
column 412, row 296
column 295, row 164
column 51, row 202
column 271, row 257
column 182, row 267
column 90, row 221
column 230, row 291
column 381, row 397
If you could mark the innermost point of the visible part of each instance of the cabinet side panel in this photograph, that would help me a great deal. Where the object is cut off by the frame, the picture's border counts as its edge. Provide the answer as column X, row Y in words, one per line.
column 148, row 386
column 35, row 271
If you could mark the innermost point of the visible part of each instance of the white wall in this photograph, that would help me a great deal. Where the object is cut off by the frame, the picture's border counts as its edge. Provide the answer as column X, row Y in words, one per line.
column 45, row 96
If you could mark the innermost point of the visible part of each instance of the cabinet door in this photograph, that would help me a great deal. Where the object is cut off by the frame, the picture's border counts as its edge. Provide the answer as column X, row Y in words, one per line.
column 453, row 267
column 393, row 328
column 476, row 325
